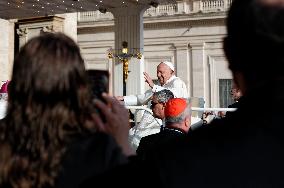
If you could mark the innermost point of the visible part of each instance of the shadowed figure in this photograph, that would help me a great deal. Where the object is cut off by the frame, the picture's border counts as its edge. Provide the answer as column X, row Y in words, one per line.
column 51, row 135
column 246, row 148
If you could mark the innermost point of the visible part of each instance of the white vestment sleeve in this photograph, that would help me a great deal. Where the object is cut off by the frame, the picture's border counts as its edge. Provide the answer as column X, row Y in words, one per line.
column 177, row 86
column 133, row 100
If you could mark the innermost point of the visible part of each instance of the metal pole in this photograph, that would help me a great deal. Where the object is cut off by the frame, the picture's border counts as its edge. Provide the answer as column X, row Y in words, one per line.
column 124, row 86
column 125, row 74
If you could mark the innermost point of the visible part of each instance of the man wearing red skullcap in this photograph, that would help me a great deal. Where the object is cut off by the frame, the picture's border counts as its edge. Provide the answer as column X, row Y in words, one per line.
column 177, row 123
column 177, row 115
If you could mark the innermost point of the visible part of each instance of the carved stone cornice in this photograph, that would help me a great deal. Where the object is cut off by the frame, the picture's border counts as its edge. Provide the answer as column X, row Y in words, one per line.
column 180, row 46
column 157, row 25
column 40, row 19
column 94, row 29
column 47, row 24
column 197, row 45
column 188, row 23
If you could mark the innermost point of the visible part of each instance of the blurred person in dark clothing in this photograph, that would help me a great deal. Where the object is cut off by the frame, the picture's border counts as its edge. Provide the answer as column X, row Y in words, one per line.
column 52, row 135
column 236, row 94
column 246, row 148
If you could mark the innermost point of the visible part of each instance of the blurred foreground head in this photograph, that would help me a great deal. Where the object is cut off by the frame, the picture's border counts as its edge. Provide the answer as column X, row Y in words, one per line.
column 255, row 42
column 48, row 103
column 48, row 70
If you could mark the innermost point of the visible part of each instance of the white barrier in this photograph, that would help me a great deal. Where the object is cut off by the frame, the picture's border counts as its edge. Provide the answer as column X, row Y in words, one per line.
column 138, row 108
column 192, row 108
column 213, row 109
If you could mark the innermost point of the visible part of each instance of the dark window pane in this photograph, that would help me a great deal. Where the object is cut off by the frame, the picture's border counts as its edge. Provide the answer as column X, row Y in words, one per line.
column 225, row 86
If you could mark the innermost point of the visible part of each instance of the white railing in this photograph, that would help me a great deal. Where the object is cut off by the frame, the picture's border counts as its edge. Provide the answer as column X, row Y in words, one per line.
column 169, row 9
column 162, row 10
column 94, row 16
column 215, row 5
column 214, row 110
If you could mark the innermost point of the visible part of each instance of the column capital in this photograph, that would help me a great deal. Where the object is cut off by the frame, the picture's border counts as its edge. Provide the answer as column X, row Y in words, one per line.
column 181, row 46
column 22, row 32
column 197, row 45
column 47, row 29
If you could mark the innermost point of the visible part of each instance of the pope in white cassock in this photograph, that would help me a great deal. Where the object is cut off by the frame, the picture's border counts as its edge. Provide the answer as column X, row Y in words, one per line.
column 148, row 124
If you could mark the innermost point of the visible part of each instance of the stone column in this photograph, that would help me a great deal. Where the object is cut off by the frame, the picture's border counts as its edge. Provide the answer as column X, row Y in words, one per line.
column 70, row 25
column 183, row 65
column 198, row 71
column 129, row 28
column 6, row 49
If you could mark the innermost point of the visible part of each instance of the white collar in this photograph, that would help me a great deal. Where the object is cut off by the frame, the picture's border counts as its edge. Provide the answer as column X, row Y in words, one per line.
column 169, row 80
column 173, row 129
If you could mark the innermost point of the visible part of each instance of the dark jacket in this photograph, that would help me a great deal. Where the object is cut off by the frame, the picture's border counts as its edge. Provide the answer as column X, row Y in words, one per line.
column 149, row 144
column 243, row 150
column 87, row 157
column 234, row 105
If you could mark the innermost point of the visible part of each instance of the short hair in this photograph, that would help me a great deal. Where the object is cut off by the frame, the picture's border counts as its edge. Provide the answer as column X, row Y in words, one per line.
column 164, row 95
column 181, row 117
column 255, row 36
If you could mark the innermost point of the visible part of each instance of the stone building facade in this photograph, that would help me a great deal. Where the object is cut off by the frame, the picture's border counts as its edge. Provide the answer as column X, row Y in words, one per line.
column 189, row 33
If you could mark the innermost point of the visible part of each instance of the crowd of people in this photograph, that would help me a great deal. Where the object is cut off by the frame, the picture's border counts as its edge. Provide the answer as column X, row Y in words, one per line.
column 53, row 136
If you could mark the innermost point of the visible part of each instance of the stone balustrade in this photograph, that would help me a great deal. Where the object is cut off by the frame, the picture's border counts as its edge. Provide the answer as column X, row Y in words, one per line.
column 169, row 9
column 201, row 6
column 215, row 5
column 94, row 16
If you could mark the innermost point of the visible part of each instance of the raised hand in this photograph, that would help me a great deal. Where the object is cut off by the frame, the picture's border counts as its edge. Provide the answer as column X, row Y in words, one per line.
column 148, row 79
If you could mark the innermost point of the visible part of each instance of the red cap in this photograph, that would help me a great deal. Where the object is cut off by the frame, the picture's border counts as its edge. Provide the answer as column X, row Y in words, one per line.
column 4, row 87
column 175, row 107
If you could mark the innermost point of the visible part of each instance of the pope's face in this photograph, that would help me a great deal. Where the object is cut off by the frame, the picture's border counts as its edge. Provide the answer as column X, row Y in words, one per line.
column 164, row 73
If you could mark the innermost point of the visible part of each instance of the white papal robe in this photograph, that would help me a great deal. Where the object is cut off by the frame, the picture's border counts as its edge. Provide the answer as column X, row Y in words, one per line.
column 148, row 124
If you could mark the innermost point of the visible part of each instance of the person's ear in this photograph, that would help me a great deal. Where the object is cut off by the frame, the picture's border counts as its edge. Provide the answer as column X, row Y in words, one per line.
column 187, row 121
